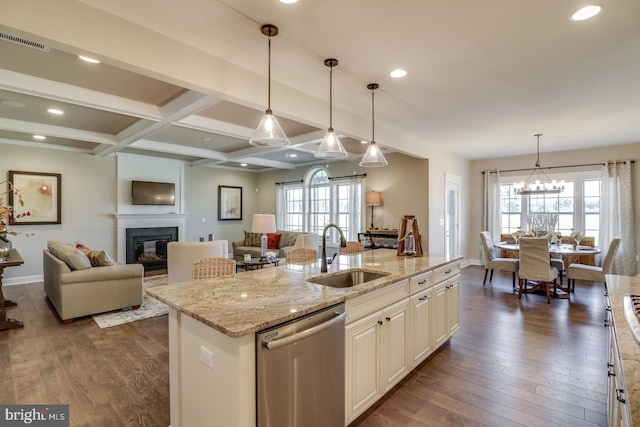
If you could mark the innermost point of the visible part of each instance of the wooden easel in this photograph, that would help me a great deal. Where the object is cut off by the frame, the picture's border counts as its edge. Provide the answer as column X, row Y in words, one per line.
column 404, row 230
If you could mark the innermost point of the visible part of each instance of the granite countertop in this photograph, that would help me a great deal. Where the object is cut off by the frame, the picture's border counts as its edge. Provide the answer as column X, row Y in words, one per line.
column 618, row 287
column 254, row 300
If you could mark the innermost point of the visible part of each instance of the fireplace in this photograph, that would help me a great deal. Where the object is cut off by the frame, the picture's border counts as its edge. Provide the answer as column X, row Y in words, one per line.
column 148, row 246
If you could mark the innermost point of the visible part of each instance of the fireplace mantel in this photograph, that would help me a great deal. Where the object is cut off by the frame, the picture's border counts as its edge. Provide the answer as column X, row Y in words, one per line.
column 124, row 221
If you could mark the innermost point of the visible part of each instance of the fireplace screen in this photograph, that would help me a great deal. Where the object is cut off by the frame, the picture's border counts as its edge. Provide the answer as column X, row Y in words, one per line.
column 148, row 246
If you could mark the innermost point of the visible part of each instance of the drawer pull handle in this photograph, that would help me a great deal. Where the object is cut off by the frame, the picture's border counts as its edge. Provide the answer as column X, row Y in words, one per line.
column 619, row 393
column 388, row 319
column 426, row 297
column 606, row 294
column 422, row 282
column 379, row 322
column 608, row 308
column 606, row 323
column 448, row 271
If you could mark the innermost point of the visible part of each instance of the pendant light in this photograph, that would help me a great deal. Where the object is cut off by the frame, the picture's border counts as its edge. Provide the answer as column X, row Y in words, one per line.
column 269, row 133
column 331, row 147
column 373, row 157
column 531, row 186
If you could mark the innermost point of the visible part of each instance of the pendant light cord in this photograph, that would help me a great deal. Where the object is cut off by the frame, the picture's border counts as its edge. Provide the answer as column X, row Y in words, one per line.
column 373, row 117
column 538, row 135
column 331, row 98
column 269, row 78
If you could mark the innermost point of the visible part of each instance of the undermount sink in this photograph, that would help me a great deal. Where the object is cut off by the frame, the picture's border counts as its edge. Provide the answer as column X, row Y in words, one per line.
column 347, row 278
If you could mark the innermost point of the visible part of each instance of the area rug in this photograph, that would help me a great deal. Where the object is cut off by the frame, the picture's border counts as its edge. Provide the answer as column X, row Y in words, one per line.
column 149, row 308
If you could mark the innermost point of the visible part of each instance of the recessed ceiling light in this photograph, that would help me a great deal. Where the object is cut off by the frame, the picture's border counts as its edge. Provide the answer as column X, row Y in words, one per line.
column 397, row 73
column 288, row 1
column 39, row 137
column 244, row 165
column 88, row 59
column 364, row 142
column 293, row 155
column 586, row 12
column 12, row 103
column 55, row 111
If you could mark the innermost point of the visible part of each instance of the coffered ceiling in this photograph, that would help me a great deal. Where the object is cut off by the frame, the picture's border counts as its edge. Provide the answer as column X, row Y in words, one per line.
column 187, row 80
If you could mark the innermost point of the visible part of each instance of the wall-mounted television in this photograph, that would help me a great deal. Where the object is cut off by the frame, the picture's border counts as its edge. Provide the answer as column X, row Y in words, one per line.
column 153, row 193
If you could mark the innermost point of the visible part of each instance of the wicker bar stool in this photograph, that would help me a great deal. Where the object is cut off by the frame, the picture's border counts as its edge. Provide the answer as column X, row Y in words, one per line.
column 301, row 255
column 352, row 248
column 213, row 267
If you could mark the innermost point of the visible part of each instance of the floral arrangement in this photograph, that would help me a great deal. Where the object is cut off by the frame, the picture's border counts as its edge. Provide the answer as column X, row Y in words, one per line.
column 6, row 212
column 577, row 234
column 556, row 237
column 518, row 233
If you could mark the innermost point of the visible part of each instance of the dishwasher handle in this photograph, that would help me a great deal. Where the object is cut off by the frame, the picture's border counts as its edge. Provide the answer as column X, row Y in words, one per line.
column 272, row 345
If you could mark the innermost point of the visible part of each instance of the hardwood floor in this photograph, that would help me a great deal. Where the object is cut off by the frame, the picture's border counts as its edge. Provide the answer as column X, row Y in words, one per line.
column 512, row 363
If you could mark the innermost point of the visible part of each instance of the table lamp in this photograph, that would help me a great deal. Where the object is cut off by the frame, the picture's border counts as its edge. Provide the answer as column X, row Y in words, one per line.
column 373, row 198
column 263, row 223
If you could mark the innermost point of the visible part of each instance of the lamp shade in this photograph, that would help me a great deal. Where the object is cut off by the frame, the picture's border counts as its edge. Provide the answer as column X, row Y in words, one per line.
column 263, row 223
column 373, row 198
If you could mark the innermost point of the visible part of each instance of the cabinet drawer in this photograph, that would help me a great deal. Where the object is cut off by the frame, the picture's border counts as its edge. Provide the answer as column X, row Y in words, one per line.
column 443, row 273
column 420, row 282
column 363, row 305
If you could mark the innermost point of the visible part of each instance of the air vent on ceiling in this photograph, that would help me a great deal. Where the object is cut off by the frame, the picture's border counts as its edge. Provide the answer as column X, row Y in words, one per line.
column 24, row 42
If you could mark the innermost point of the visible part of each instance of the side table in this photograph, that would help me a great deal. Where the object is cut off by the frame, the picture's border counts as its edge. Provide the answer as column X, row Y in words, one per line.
column 256, row 263
column 14, row 259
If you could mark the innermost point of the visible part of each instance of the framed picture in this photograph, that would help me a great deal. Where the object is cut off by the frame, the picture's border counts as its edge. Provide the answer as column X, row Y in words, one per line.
column 40, row 193
column 229, row 203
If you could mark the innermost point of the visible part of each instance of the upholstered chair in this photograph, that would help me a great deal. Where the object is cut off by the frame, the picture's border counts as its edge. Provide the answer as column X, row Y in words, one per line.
column 492, row 262
column 534, row 265
column 301, row 255
column 213, row 267
column 593, row 273
column 181, row 255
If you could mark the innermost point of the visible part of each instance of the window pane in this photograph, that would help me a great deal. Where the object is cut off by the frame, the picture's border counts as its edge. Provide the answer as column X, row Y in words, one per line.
column 592, row 188
column 592, row 204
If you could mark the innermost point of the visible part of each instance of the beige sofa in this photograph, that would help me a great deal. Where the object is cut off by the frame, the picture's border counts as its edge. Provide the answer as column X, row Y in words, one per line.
column 77, row 293
column 181, row 255
column 288, row 240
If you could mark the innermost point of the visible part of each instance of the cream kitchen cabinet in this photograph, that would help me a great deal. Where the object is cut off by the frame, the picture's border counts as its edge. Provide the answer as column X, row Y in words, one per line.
column 446, row 310
column 617, row 408
column 376, row 351
column 421, row 326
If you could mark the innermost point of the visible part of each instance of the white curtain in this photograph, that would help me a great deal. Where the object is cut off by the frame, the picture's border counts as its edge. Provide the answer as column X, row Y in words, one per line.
column 281, row 208
column 491, row 214
column 616, row 215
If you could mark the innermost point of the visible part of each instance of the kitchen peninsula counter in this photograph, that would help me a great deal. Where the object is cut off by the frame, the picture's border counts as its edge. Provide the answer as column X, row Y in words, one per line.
column 249, row 302
column 213, row 325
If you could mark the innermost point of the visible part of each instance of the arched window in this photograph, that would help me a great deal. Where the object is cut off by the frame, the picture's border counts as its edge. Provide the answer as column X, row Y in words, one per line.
column 320, row 200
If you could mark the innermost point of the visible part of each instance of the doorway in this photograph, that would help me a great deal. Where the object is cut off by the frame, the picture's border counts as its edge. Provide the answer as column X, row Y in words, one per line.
column 452, row 216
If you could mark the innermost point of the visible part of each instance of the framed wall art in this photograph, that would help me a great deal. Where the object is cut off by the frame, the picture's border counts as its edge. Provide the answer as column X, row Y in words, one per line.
column 229, row 203
column 41, row 194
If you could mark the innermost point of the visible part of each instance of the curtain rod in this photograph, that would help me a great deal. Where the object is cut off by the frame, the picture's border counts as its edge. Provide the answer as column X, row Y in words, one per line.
column 289, row 182
column 562, row 167
column 362, row 175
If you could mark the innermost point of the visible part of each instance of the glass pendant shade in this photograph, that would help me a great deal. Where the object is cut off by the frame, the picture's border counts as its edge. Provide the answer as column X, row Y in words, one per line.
column 373, row 157
column 331, row 147
column 269, row 133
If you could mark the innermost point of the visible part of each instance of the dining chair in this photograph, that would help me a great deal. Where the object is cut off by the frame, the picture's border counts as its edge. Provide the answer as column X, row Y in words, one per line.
column 352, row 248
column 213, row 267
column 593, row 273
column 492, row 262
column 301, row 255
column 535, row 266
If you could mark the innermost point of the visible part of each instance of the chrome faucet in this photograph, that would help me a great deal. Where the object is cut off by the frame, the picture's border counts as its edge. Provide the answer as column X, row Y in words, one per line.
column 343, row 243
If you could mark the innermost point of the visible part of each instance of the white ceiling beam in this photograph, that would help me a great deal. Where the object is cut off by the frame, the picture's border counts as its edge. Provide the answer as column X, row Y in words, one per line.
column 179, row 149
column 216, row 126
column 35, row 86
column 56, row 131
column 43, row 145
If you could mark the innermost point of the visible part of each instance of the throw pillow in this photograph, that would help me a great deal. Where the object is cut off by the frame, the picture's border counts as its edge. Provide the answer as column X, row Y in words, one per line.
column 69, row 254
column 272, row 240
column 82, row 247
column 252, row 239
column 99, row 258
column 288, row 239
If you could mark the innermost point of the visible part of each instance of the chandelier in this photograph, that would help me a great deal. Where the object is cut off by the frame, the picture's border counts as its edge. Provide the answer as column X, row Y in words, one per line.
column 538, row 186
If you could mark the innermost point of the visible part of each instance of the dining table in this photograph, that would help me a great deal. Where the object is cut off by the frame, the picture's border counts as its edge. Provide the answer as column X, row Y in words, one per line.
column 561, row 250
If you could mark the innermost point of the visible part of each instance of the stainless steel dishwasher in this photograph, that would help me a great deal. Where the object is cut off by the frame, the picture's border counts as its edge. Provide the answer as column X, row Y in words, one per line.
column 300, row 371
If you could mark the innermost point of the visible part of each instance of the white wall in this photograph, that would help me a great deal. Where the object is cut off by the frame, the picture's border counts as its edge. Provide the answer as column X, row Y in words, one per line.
column 561, row 158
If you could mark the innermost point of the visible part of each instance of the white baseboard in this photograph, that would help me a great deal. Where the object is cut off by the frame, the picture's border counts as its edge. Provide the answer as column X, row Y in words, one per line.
column 22, row 280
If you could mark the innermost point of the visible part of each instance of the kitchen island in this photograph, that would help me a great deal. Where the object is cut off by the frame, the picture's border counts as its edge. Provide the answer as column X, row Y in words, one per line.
column 212, row 325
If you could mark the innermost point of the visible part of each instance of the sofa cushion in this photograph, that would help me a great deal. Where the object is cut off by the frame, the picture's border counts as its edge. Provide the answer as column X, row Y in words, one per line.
column 272, row 240
column 287, row 238
column 252, row 239
column 69, row 254
column 99, row 258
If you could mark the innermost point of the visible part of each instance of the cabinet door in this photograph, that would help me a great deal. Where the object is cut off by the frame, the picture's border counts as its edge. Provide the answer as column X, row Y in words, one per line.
column 421, row 334
column 453, row 304
column 363, row 364
column 395, row 339
column 440, row 322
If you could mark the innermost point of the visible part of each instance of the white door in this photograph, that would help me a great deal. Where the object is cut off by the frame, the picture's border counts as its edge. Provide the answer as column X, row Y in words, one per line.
column 452, row 216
